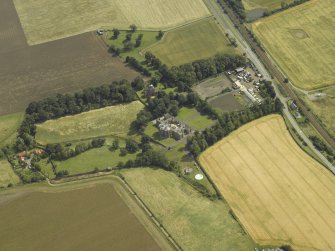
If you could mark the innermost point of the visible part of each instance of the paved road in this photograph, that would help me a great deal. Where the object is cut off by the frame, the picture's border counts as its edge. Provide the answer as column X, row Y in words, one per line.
column 227, row 24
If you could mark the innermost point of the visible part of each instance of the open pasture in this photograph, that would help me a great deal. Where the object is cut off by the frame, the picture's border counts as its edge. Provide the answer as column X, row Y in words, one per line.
column 111, row 120
column 7, row 175
column 9, row 124
column 198, row 40
column 226, row 102
column 301, row 41
column 264, row 4
column 67, row 65
column 45, row 20
column 193, row 220
column 98, row 217
column 279, row 193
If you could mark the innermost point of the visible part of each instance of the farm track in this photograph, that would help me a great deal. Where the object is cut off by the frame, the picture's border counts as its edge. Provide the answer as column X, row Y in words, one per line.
column 29, row 73
column 276, row 73
column 279, row 193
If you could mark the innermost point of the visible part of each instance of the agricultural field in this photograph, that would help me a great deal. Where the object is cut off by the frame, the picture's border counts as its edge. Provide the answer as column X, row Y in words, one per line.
column 194, row 119
column 269, row 5
column 112, row 120
column 323, row 107
column 30, row 73
column 7, row 175
column 8, row 128
column 198, row 40
column 226, row 102
column 75, row 217
column 279, row 193
column 195, row 222
column 97, row 158
column 44, row 21
column 212, row 86
column 300, row 40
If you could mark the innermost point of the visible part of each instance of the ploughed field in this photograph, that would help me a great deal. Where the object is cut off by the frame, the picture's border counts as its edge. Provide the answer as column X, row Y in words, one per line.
column 279, row 193
column 91, row 218
column 198, row 40
column 67, row 65
column 45, row 20
column 301, row 41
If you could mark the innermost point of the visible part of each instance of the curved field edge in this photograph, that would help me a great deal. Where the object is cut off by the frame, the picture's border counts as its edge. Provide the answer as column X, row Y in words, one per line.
column 118, row 185
column 299, row 40
column 279, row 193
column 198, row 40
column 44, row 21
column 193, row 220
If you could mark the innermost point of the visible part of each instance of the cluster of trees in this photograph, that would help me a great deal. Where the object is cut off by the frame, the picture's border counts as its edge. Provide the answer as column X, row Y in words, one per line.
column 229, row 122
column 284, row 6
column 69, row 104
column 322, row 147
column 237, row 7
column 58, row 152
column 189, row 74
column 266, row 89
column 134, row 63
column 160, row 35
column 152, row 60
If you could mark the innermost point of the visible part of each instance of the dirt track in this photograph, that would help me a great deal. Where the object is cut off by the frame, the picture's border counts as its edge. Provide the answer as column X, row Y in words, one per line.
column 66, row 65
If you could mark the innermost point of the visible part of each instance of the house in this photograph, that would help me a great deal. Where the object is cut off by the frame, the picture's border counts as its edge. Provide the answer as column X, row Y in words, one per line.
column 239, row 70
column 188, row 170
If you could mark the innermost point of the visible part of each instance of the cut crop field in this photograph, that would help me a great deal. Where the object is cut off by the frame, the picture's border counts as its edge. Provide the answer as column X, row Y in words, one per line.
column 8, row 128
column 67, row 65
column 194, row 221
column 279, row 193
column 198, row 40
column 7, row 175
column 112, row 120
column 92, row 218
column 301, row 41
column 45, row 20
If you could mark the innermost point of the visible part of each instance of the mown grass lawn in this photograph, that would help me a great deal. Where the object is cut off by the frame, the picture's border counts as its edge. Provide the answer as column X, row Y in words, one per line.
column 194, row 119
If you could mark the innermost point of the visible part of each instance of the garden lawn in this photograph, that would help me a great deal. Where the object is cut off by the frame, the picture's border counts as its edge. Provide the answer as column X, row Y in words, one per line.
column 194, row 119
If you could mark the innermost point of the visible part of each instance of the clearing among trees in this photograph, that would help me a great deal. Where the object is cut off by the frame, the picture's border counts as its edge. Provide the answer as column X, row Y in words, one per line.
column 279, row 193
column 113, row 120
column 198, row 40
column 301, row 41
column 45, row 20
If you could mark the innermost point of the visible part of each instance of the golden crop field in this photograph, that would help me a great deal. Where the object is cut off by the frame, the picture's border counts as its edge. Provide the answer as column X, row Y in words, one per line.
column 45, row 20
column 279, row 193
column 113, row 120
column 301, row 41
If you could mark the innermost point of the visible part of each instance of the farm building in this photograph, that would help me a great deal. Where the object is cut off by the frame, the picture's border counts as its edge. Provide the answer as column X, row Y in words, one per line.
column 170, row 127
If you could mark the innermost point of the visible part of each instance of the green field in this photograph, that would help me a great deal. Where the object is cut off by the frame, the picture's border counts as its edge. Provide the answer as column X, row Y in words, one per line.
column 96, row 215
column 194, row 119
column 194, row 221
column 8, row 127
column 266, row 4
column 199, row 40
column 100, row 158
column 112, row 120
column 7, row 175
column 44, row 20
column 301, row 41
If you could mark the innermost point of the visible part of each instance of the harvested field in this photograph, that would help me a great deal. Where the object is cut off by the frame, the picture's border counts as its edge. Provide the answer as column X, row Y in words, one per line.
column 68, row 65
column 45, row 20
column 9, row 124
column 279, row 193
column 198, row 40
column 111, row 120
column 193, row 220
column 301, row 41
column 78, row 218
column 7, row 175
column 212, row 86
column 225, row 102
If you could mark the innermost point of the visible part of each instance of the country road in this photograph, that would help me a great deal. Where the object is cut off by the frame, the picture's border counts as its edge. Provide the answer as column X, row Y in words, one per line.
column 229, row 27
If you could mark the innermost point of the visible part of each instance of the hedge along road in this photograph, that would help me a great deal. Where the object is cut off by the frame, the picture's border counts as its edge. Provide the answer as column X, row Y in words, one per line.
column 260, row 58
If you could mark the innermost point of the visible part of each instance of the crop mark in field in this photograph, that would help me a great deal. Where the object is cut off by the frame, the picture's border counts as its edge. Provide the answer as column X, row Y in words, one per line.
column 298, row 33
